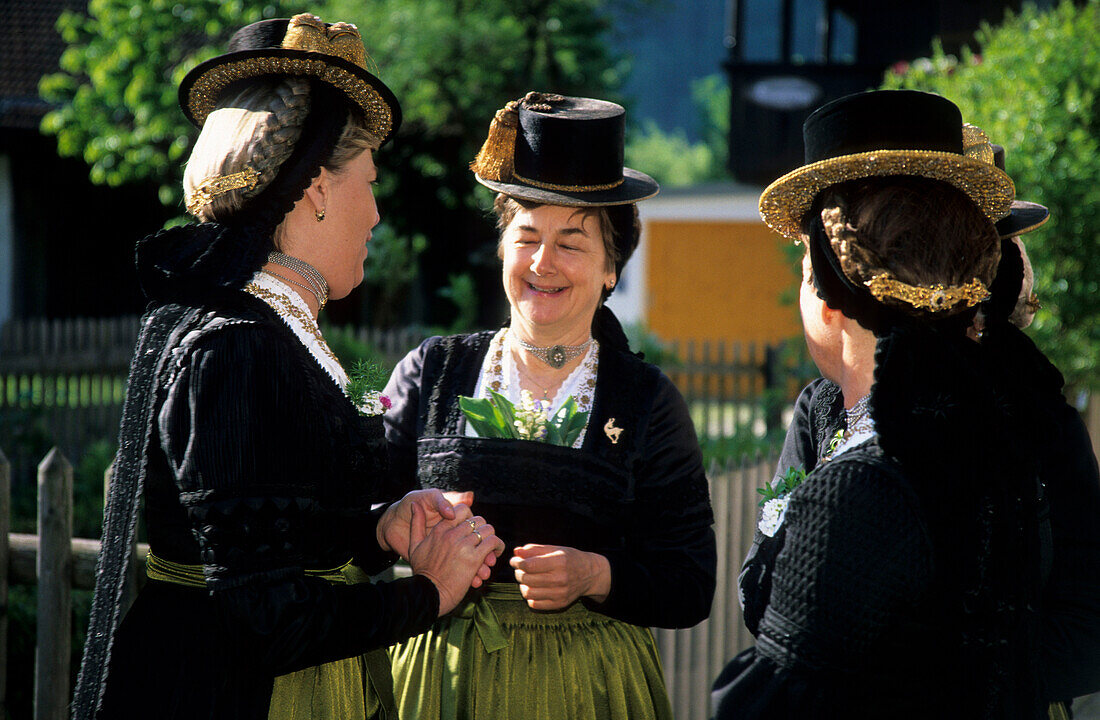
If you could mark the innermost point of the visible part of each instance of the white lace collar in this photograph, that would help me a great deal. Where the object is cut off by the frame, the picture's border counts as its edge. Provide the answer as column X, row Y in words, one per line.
column 293, row 311
column 500, row 374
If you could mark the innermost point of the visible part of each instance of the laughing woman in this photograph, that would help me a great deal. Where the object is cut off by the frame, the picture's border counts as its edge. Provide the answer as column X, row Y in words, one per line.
column 608, row 528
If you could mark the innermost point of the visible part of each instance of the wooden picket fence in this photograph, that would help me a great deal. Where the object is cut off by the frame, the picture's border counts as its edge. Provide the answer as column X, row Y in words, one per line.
column 62, row 383
column 56, row 563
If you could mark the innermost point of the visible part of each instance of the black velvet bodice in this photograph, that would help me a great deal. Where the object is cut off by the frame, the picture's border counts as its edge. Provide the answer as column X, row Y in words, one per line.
column 904, row 579
column 235, row 483
column 643, row 502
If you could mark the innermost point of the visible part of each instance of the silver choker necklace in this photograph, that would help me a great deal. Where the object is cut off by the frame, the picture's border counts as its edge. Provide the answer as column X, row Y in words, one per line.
column 317, row 282
column 556, row 355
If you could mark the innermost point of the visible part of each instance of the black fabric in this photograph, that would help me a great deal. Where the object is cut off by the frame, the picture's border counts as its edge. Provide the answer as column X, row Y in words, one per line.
column 607, row 330
column 903, row 579
column 883, row 120
column 569, row 151
column 818, row 414
column 643, row 502
column 1025, row 216
column 1004, row 291
column 257, row 467
column 574, row 141
column 1070, row 636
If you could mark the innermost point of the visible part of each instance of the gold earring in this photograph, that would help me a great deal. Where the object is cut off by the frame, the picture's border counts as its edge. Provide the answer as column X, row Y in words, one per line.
column 320, row 214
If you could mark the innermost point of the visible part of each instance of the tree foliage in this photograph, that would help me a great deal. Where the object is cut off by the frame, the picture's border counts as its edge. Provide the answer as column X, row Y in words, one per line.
column 675, row 161
column 1033, row 84
column 452, row 63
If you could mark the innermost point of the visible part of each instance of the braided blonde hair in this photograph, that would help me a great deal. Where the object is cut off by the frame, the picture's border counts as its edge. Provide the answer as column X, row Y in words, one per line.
column 258, row 128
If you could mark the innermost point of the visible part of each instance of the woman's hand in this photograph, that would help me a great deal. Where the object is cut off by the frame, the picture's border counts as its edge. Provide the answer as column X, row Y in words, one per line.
column 393, row 531
column 552, row 577
column 455, row 554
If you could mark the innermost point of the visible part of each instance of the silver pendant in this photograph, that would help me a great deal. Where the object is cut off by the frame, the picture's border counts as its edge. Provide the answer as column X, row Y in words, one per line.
column 556, row 357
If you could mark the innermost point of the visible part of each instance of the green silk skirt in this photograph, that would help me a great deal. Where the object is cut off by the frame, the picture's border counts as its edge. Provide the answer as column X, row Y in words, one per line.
column 494, row 658
column 355, row 688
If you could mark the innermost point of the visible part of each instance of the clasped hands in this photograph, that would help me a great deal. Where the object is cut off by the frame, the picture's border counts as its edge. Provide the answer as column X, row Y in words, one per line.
column 442, row 540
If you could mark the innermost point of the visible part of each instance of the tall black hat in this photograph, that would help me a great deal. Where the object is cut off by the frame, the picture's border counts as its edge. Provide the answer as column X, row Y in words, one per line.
column 883, row 133
column 560, row 150
column 302, row 46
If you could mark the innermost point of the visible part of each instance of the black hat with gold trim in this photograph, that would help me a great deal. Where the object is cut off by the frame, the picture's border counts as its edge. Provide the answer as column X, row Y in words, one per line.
column 559, row 150
column 1025, row 216
column 883, row 133
column 301, row 46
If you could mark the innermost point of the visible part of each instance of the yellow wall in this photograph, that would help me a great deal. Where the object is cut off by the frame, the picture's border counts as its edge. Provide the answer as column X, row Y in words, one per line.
column 718, row 280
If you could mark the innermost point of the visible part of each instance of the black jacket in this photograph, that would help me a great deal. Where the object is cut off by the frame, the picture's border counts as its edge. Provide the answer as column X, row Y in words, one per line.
column 256, row 467
column 905, row 577
column 642, row 502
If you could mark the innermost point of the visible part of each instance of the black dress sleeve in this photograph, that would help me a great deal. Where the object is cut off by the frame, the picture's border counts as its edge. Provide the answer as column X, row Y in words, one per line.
column 241, row 433
column 810, row 420
column 856, row 557
column 403, row 390
column 665, row 574
column 800, row 446
column 1070, row 639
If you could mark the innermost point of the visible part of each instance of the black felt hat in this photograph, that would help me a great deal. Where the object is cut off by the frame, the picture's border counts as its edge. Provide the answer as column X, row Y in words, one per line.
column 883, row 133
column 560, row 150
column 303, row 46
column 1025, row 216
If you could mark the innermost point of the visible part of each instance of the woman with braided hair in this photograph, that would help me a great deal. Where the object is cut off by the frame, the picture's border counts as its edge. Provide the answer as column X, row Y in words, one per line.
column 900, row 578
column 259, row 464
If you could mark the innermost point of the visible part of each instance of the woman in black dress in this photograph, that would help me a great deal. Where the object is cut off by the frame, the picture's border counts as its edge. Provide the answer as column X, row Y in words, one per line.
column 259, row 472
column 607, row 536
column 1069, row 662
column 900, row 577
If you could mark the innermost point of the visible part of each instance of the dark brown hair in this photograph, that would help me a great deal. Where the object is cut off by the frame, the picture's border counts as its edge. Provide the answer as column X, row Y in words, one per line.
column 922, row 231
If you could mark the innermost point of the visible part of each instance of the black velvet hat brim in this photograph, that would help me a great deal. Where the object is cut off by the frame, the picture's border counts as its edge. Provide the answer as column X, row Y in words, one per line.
column 636, row 186
column 201, row 88
column 1025, row 217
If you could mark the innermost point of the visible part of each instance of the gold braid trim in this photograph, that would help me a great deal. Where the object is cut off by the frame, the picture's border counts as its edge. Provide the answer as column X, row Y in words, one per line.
column 496, row 158
column 567, row 188
column 157, row 568
column 936, row 298
column 216, row 185
column 976, row 144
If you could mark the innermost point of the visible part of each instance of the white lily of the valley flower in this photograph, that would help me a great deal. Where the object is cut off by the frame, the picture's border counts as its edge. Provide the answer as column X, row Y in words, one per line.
column 771, row 516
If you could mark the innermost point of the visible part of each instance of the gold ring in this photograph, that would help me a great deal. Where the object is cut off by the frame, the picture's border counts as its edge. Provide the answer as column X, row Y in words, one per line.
column 472, row 524
column 478, row 535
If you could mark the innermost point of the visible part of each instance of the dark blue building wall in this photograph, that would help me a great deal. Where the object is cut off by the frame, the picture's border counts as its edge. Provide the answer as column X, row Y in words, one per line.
column 670, row 43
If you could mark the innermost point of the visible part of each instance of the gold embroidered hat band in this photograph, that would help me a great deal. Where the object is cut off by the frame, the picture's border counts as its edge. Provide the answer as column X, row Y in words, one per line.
column 560, row 150
column 301, row 46
column 883, row 133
